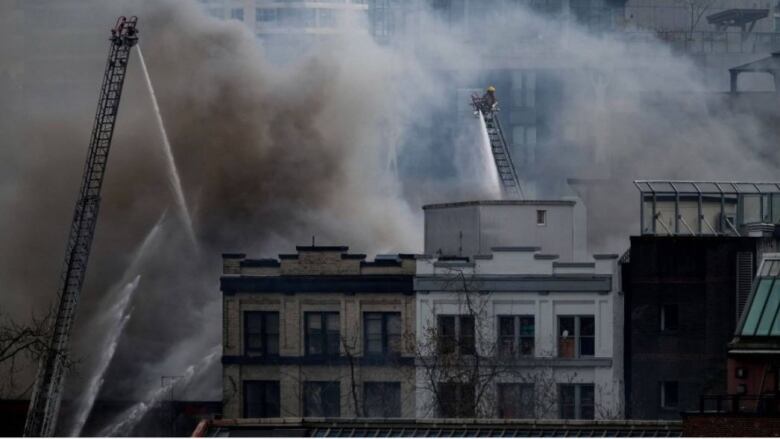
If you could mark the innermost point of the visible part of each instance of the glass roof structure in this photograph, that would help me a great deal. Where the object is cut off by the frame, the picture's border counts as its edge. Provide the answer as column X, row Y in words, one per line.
column 696, row 208
column 761, row 318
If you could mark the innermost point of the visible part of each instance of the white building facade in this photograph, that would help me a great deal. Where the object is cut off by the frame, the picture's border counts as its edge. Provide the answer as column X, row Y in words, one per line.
column 517, row 333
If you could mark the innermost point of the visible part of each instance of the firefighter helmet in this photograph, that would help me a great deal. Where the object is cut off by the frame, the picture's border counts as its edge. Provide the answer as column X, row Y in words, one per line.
column 491, row 89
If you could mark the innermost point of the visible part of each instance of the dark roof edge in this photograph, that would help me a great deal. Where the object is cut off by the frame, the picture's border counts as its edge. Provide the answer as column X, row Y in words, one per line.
column 501, row 203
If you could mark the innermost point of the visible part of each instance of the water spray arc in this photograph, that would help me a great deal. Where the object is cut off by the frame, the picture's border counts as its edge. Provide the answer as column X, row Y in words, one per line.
column 124, row 423
column 113, row 316
column 173, row 172
column 47, row 392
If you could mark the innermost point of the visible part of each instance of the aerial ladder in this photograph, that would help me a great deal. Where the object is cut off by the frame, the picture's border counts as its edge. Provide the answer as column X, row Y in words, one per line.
column 510, row 183
column 47, row 392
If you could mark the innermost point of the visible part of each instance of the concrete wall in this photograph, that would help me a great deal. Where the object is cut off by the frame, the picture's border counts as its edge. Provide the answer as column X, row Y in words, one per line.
column 544, row 368
column 474, row 228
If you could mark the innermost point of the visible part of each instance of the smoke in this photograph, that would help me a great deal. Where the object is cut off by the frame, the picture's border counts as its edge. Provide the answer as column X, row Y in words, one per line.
column 343, row 142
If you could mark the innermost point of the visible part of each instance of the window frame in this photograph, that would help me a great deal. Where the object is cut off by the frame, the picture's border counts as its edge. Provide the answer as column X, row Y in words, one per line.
column 663, row 395
column 577, row 335
column 383, row 387
column 577, row 400
column 264, row 334
column 323, row 386
column 541, row 217
column 459, row 396
column 663, row 317
column 266, row 15
column 264, row 385
column 500, row 398
column 517, row 336
column 384, row 334
column 459, row 347
column 324, row 342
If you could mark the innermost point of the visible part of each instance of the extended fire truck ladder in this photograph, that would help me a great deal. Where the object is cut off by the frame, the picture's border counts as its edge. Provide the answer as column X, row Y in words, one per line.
column 510, row 183
column 47, row 393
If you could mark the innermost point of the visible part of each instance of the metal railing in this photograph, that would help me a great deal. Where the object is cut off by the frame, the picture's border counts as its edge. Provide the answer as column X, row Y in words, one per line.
column 767, row 404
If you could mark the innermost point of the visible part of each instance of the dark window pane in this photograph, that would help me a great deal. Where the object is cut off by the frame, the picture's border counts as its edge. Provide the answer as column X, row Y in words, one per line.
column 447, row 400
column 526, row 346
column 527, row 326
column 261, row 399
column 567, row 402
column 272, row 323
column 467, row 342
column 321, row 399
column 254, row 321
column 587, row 326
column 373, row 330
column 587, row 346
column 506, row 326
column 670, row 394
column 446, row 334
column 467, row 401
column 333, row 334
column 587, row 401
column 515, row 401
column 671, row 317
column 382, row 400
column 394, row 332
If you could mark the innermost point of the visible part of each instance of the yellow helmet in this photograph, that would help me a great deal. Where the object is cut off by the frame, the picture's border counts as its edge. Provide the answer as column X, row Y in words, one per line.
column 491, row 89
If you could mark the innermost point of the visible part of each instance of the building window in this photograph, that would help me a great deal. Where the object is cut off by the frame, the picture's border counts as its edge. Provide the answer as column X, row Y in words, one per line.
column 669, row 394
column 322, row 333
column 541, row 217
column 322, row 399
column 237, row 14
column 516, row 336
column 265, row 15
column 456, row 400
column 516, row 401
column 576, row 336
column 382, row 400
column 382, row 333
column 261, row 333
column 261, row 399
column 669, row 317
column 577, row 401
column 327, row 18
column 455, row 333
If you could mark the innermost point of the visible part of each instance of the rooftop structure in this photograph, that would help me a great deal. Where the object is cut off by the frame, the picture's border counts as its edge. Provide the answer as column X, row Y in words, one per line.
column 770, row 65
column 696, row 208
column 760, row 319
column 435, row 428
column 744, row 19
column 472, row 228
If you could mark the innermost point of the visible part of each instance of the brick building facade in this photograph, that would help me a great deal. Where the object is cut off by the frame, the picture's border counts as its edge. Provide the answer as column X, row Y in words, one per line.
column 319, row 333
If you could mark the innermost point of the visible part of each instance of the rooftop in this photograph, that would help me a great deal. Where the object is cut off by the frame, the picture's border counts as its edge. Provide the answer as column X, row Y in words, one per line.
column 501, row 203
column 763, row 308
column 313, row 427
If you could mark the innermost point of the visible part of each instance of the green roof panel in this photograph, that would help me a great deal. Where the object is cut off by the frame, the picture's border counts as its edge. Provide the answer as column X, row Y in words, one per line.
column 770, row 311
column 757, row 306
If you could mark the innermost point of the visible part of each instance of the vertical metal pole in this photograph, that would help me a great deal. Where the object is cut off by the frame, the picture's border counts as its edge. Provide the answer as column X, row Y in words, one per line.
column 654, row 212
column 676, row 210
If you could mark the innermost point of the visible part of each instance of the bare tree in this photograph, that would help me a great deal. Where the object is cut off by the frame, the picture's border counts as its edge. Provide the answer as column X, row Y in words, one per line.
column 696, row 10
column 22, row 346
column 464, row 375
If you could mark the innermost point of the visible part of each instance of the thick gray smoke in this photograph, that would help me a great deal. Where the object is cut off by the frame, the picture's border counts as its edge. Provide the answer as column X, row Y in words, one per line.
column 345, row 143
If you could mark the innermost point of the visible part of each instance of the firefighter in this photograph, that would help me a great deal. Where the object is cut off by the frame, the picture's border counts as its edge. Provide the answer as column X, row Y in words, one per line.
column 489, row 100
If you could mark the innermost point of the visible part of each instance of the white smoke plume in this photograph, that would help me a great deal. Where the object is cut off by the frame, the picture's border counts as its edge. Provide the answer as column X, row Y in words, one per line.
column 344, row 142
